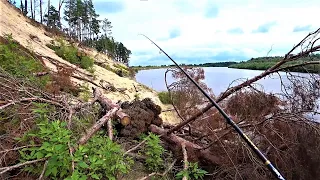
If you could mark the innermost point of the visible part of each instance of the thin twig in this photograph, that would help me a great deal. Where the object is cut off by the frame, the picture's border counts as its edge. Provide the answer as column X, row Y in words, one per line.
column 9, row 168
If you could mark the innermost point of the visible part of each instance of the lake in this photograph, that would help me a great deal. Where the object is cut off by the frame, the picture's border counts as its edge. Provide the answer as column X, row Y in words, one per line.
column 218, row 78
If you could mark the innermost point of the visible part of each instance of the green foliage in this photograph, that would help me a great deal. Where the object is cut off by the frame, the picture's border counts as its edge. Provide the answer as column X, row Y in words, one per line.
column 19, row 62
column 55, row 138
column 164, row 97
column 100, row 158
column 193, row 172
column 153, row 151
column 85, row 93
column 73, row 55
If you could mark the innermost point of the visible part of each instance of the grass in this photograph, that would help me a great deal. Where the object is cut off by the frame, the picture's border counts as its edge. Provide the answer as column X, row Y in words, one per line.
column 20, row 62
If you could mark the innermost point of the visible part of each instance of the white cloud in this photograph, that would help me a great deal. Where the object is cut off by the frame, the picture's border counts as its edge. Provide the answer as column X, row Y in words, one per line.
column 203, row 37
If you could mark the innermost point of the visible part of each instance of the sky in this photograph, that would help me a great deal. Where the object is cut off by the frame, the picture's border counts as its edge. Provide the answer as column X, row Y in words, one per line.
column 200, row 31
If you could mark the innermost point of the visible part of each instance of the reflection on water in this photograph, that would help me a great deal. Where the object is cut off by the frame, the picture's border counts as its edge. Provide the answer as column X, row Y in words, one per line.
column 217, row 78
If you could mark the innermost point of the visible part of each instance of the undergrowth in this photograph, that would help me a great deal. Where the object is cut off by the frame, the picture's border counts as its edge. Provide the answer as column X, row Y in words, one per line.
column 192, row 172
column 73, row 55
column 20, row 62
column 164, row 97
column 153, row 152
column 99, row 158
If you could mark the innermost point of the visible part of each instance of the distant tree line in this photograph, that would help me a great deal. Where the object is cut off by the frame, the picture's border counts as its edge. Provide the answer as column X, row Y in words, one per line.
column 263, row 63
column 82, row 24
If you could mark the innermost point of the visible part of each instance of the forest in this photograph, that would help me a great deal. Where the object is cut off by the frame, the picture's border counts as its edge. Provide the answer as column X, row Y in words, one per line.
column 263, row 63
column 78, row 20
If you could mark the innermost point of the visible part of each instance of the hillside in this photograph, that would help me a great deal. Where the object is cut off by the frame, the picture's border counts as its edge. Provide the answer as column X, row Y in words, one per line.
column 34, row 37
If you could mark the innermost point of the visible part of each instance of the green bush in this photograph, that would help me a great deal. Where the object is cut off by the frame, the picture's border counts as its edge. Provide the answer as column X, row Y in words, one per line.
column 193, row 172
column 72, row 54
column 100, row 158
column 164, row 97
column 153, row 151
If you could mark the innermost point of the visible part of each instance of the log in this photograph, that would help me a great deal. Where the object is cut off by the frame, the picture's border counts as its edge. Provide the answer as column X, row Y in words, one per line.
column 107, row 104
column 175, row 141
column 97, row 126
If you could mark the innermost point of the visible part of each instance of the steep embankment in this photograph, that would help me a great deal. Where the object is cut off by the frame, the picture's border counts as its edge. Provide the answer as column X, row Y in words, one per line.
column 34, row 37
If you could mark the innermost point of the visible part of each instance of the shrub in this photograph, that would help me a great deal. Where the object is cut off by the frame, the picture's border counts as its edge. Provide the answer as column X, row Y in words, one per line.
column 193, row 172
column 100, row 158
column 72, row 54
column 153, row 151
column 164, row 97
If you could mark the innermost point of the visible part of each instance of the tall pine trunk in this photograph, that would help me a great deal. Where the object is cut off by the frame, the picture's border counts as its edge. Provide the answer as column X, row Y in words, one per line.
column 48, row 14
column 41, row 20
column 31, row 8
column 25, row 7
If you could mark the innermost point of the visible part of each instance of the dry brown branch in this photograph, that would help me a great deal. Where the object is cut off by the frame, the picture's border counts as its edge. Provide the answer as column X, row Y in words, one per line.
column 110, row 130
column 43, row 170
column 135, row 147
column 288, row 57
column 185, row 159
column 9, row 168
column 160, row 174
column 97, row 126
column 33, row 99
column 18, row 148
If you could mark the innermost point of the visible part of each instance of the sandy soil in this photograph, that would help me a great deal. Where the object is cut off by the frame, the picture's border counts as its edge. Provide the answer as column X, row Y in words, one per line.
column 12, row 22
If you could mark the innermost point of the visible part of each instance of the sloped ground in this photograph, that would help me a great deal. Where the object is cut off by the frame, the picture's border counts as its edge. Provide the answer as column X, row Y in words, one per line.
column 35, row 39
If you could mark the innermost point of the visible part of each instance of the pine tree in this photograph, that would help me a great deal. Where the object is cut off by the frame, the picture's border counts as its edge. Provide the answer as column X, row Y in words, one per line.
column 52, row 19
column 106, row 27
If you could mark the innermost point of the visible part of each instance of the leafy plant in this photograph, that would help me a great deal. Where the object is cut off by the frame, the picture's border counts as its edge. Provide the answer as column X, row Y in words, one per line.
column 99, row 158
column 153, row 151
column 55, row 138
column 193, row 172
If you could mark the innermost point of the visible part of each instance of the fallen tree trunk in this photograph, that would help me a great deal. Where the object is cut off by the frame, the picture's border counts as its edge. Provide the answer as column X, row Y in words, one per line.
column 112, row 110
column 198, row 153
column 107, row 104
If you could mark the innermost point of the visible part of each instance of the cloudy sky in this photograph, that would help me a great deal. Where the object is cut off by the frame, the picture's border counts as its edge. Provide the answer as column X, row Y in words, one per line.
column 199, row 31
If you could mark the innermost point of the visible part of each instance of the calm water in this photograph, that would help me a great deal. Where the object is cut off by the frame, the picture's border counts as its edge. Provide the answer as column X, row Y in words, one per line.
column 218, row 78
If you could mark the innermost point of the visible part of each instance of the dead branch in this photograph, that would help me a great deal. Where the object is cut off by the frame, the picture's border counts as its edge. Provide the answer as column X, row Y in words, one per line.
column 185, row 159
column 107, row 104
column 9, row 168
column 175, row 140
column 159, row 174
column 288, row 57
column 18, row 148
column 97, row 126
column 110, row 130
column 43, row 170
column 135, row 147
